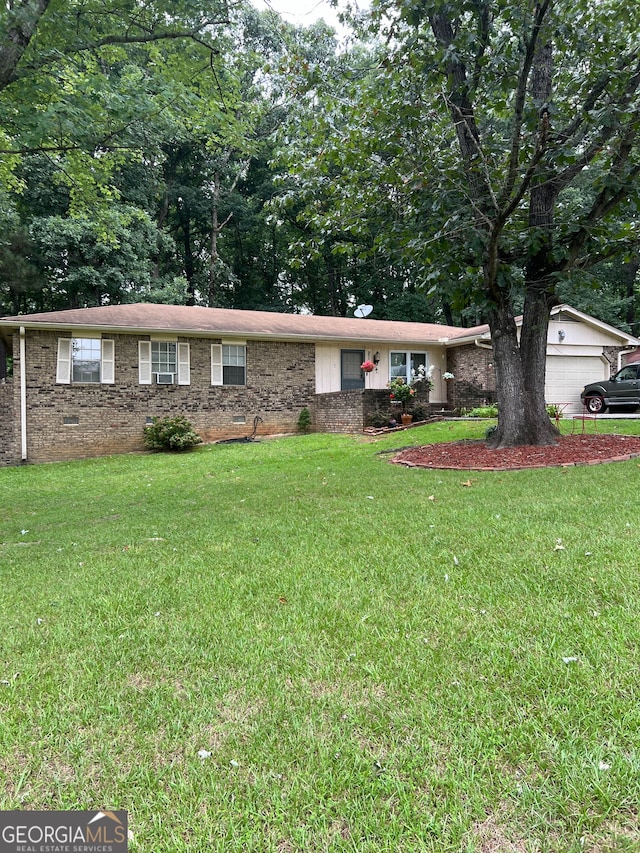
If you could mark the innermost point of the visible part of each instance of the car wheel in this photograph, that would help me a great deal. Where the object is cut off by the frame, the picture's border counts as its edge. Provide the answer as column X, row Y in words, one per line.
column 595, row 405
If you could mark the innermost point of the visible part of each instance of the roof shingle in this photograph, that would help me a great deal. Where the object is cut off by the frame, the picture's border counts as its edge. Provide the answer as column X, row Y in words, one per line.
column 152, row 317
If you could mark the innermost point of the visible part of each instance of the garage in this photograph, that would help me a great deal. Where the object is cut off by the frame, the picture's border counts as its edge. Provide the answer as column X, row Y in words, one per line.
column 567, row 375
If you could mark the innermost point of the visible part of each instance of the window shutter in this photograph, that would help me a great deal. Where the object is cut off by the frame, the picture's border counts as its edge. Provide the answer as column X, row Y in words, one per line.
column 216, row 364
column 63, row 370
column 144, row 362
column 108, row 372
column 183, row 365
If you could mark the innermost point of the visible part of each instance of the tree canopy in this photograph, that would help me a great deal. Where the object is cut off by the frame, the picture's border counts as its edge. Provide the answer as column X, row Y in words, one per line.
column 494, row 147
column 459, row 161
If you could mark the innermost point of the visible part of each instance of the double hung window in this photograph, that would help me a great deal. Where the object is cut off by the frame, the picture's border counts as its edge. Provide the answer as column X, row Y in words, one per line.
column 85, row 360
column 164, row 363
column 407, row 365
column 228, row 364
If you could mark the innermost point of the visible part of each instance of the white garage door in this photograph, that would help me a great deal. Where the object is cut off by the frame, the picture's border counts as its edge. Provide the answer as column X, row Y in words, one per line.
column 566, row 377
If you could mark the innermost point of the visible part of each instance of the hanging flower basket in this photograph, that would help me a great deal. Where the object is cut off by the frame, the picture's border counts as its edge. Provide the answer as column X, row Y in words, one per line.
column 367, row 366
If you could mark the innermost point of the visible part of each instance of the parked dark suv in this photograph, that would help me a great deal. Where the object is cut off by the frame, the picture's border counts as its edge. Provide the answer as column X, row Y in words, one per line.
column 623, row 389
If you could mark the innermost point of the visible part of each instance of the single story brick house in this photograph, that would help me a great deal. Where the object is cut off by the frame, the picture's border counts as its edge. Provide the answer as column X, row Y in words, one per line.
column 86, row 381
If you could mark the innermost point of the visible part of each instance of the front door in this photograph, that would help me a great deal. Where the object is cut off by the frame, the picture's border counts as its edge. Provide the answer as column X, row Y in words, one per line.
column 351, row 373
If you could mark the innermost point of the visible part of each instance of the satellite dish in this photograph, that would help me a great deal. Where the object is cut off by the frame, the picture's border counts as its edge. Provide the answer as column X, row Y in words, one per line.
column 363, row 311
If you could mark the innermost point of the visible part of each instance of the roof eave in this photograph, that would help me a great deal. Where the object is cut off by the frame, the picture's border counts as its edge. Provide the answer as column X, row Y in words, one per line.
column 212, row 333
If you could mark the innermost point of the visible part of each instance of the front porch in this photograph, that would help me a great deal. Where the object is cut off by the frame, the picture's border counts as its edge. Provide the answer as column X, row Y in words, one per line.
column 354, row 411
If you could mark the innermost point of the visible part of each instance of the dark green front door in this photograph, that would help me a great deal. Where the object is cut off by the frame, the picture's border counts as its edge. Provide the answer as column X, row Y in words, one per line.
column 352, row 375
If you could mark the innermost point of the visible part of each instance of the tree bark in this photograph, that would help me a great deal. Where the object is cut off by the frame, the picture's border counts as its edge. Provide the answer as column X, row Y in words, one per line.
column 189, row 265
column 23, row 23
column 521, row 366
column 629, row 274
column 533, row 355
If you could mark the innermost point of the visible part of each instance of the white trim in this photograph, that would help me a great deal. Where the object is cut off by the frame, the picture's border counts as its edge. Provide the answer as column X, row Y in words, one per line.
column 107, row 362
column 588, row 320
column 144, row 362
column 408, row 353
column 216, row 364
column 23, row 395
column 183, row 364
column 63, row 366
column 624, row 352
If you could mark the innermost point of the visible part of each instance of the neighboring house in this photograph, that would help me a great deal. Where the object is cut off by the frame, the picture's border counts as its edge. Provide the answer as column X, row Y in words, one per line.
column 86, row 381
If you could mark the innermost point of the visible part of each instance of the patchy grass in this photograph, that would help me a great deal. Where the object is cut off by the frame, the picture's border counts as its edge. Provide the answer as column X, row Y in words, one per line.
column 375, row 658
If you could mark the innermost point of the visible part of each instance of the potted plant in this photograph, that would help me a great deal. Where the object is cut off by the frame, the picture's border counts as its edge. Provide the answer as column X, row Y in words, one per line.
column 401, row 392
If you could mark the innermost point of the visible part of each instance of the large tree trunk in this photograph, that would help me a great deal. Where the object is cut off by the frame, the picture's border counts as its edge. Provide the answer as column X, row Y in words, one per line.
column 520, row 371
column 520, row 368
column 509, row 380
column 533, row 355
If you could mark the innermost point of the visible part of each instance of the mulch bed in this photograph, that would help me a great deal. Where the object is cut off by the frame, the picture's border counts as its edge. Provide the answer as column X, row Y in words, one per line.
column 476, row 456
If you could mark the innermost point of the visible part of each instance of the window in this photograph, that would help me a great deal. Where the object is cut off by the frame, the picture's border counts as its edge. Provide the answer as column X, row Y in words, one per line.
column 228, row 364
column 164, row 357
column 83, row 360
column 406, row 364
column 163, row 363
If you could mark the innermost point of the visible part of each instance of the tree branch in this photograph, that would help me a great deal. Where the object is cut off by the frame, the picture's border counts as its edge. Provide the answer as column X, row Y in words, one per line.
column 518, row 112
column 23, row 23
column 615, row 189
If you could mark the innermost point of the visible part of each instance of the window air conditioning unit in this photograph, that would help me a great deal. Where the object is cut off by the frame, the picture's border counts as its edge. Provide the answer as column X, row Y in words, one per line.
column 165, row 378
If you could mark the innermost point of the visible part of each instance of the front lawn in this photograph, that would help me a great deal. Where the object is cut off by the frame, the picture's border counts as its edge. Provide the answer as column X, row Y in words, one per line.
column 293, row 645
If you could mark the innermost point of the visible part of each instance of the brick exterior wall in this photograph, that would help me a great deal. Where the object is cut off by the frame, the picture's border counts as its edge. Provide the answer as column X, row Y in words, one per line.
column 108, row 419
column 339, row 411
column 9, row 452
column 475, row 381
column 351, row 411
column 611, row 354
column 111, row 418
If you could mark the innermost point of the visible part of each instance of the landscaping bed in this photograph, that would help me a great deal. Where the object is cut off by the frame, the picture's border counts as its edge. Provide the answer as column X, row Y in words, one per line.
column 476, row 456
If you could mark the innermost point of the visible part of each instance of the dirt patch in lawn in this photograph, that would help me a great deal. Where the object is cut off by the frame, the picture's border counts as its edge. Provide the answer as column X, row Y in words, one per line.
column 476, row 456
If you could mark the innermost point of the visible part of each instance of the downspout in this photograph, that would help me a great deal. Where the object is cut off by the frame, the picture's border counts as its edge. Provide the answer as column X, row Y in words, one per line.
column 23, row 396
column 624, row 352
column 482, row 344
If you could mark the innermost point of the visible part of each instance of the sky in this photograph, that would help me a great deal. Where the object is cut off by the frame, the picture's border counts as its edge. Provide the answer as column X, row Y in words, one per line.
column 304, row 12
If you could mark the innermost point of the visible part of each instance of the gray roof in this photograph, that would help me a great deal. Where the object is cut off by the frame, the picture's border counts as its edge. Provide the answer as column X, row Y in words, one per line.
column 190, row 320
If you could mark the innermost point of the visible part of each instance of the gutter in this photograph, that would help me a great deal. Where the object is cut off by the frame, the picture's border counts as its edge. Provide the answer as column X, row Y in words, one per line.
column 23, row 396
column 482, row 344
column 624, row 352
column 244, row 334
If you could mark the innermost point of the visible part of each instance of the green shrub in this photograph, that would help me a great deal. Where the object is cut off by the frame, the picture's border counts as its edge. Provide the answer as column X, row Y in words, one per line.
column 420, row 412
column 490, row 411
column 170, row 435
column 304, row 421
column 554, row 411
column 490, row 431
column 378, row 419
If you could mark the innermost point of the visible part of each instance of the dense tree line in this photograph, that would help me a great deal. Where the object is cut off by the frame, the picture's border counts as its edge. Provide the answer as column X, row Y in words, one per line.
column 152, row 173
column 457, row 162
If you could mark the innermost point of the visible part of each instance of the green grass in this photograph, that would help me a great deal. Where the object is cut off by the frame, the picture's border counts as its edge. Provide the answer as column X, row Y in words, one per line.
column 372, row 655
